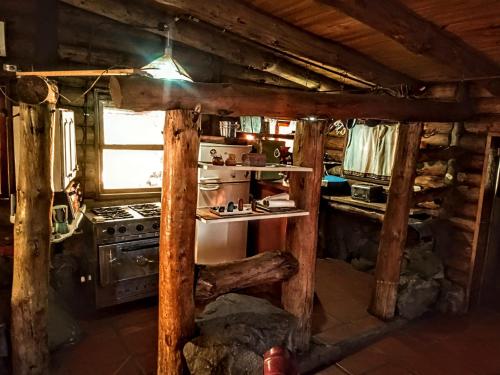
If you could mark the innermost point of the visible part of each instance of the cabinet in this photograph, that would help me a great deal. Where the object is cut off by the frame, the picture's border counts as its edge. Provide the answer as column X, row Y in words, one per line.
column 65, row 166
column 65, row 163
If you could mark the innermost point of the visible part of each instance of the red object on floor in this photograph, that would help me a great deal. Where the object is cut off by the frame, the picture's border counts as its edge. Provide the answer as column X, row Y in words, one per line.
column 278, row 361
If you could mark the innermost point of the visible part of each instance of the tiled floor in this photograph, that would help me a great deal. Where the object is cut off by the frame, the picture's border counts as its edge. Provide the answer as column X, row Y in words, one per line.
column 122, row 341
column 441, row 345
column 342, row 298
column 119, row 341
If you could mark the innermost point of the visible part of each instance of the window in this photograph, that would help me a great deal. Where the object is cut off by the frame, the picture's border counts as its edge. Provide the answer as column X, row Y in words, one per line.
column 370, row 150
column 130, row 149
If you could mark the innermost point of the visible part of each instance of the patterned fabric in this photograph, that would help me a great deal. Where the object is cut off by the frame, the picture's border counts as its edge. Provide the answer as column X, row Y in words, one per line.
column 370, row 151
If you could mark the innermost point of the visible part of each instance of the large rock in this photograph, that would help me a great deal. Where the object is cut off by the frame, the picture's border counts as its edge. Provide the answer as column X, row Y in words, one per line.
column 422, row 261
column 235, row 331
column 416, row 295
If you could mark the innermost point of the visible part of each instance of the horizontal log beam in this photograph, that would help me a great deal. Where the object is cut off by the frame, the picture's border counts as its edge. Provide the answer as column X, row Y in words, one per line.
column 142, row 94
column 269, row 267
column 418, row 35
column 429, row 195
column 357, row 211
column 207, row 39
column 196, row 63
column 248, row 22
column 441, row 153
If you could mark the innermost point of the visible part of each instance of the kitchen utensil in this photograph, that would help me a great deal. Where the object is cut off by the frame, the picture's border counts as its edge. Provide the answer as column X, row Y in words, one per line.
column 231, row 160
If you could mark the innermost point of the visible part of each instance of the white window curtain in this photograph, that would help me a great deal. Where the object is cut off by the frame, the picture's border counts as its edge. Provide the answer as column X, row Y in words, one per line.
column 370, row 151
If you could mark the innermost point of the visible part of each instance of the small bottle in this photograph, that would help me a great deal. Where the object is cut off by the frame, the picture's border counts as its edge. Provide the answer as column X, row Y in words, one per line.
column 278, row 361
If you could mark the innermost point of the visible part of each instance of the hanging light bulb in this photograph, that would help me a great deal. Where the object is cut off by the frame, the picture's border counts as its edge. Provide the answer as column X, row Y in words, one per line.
column 165, row 66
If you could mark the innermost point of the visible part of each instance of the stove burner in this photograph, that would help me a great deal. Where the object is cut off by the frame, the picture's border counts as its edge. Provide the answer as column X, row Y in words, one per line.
column 146, row 209
column 112, row 213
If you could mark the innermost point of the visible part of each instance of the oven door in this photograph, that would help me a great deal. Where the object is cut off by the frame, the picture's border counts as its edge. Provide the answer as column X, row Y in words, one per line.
column 127, row 260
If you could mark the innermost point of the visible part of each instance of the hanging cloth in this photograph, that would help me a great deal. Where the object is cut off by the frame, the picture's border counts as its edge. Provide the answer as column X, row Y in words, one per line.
column 370, row 151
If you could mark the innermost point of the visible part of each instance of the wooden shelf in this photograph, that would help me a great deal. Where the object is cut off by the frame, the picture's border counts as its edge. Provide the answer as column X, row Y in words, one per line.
column 56, row 238
column 205, row 216
column 267, row 168
column 372, row 206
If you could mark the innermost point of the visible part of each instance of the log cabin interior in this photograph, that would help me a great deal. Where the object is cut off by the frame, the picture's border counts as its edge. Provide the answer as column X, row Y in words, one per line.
column 249, row 186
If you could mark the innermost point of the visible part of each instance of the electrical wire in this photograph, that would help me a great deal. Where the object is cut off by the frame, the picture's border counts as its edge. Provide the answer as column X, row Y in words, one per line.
column 7, row 96
column 90, row 87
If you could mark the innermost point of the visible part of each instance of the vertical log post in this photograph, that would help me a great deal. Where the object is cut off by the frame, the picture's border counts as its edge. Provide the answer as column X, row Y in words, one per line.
column 177, row 238
column 395, row 225
column 29, row 303
column 302, row 233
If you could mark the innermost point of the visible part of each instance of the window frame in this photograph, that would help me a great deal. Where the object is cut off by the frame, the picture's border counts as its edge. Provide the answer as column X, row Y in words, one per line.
column 102, row 98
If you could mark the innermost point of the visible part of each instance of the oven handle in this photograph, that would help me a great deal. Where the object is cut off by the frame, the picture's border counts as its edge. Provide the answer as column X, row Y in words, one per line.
column 209, row 187
column 209, row 178
column 126, row 249
column 143, row 261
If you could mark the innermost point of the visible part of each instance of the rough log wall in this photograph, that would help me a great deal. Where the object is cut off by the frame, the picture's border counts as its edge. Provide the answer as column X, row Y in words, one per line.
column 334, row 146
column 460, row 204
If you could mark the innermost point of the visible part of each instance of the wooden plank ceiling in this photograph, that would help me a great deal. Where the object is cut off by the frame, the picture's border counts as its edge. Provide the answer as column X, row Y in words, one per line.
column 240, row 39
column 477, row 22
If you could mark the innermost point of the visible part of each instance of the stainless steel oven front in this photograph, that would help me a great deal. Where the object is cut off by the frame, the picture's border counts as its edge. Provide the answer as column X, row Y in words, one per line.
column 127, row 271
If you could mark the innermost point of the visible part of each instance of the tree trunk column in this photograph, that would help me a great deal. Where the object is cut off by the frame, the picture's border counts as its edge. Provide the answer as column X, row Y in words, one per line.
column 30, row 354
column 302, row 232
column 177, row 238
column 395, row 225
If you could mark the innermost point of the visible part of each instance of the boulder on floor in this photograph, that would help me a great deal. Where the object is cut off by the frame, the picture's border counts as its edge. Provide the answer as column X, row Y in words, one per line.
column 235, row 331
column 421, row 260
column 416, row 295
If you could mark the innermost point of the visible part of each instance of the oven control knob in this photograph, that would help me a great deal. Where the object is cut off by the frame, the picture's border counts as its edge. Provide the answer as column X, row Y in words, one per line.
column 156, row 226
column 122, row 229
column 110, row 230
column 139, row 227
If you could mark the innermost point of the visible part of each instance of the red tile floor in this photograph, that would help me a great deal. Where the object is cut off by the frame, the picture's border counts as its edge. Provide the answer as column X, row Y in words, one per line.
column 438, row 345
column 122, row 341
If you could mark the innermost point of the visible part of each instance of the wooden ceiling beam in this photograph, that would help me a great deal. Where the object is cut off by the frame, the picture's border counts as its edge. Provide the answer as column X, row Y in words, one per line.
column 207, row 39
column 418, row 35
column 239, row 18
column 199, row 67
column 143, row 94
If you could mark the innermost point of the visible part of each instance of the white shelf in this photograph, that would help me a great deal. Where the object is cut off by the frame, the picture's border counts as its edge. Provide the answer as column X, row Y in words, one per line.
column 56, row 238
column 267, row 168
column 205, row 216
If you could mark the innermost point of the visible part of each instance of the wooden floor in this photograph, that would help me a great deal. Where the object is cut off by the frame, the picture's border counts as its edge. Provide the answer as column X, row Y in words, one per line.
column 122, row 341
column 439, row 345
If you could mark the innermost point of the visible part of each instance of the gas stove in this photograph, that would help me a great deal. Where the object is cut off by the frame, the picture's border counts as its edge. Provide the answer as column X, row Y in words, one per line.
column 112, row 213
column 147, row 209
column 122, row 252
column 125, row 223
